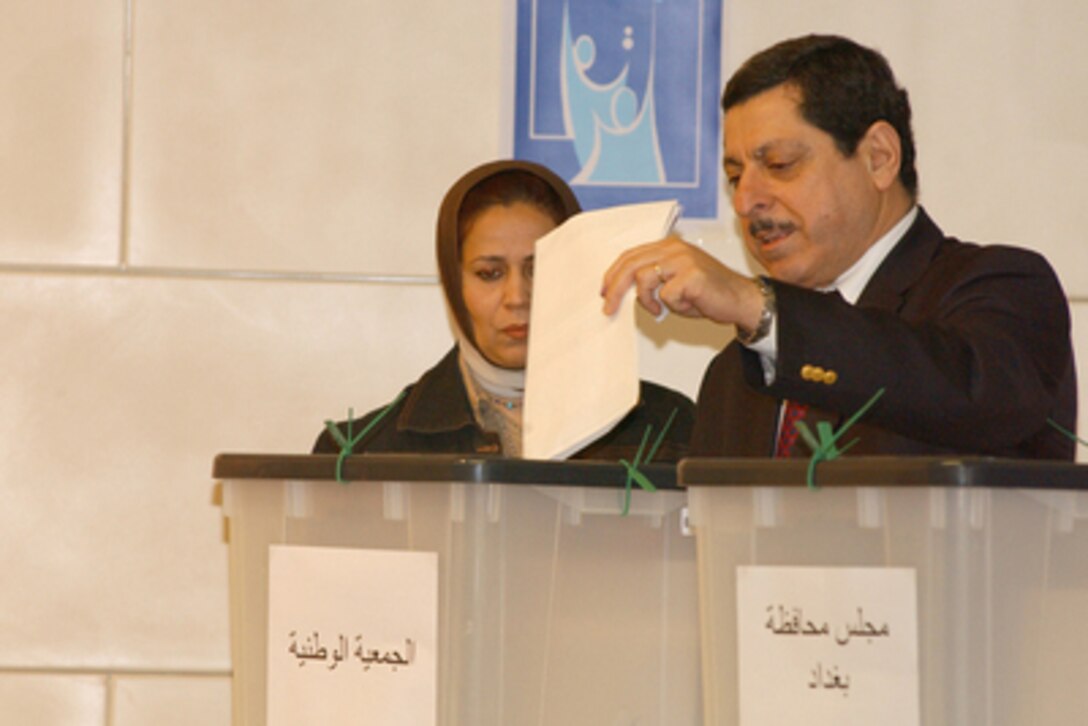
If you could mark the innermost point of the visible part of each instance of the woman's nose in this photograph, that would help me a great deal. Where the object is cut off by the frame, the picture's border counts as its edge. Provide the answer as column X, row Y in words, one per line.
column 518, row 290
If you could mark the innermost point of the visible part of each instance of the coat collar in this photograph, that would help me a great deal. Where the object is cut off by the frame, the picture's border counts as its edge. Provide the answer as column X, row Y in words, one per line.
column 438, row 402
column 904, row 265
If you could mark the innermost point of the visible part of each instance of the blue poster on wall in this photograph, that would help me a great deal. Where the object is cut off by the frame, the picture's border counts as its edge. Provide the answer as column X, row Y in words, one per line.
column 620, row 98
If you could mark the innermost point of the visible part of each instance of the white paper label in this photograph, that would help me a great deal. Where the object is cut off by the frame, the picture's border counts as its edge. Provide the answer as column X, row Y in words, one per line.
column 352, row 636
column 835, row 645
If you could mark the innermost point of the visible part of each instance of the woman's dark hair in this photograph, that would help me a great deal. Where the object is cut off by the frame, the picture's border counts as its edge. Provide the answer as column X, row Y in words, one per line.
column 497, row 182
column 845, row 88
column 504, row 189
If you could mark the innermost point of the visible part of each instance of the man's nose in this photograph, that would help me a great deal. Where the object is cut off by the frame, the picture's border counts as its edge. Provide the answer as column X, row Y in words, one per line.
column 750, row 194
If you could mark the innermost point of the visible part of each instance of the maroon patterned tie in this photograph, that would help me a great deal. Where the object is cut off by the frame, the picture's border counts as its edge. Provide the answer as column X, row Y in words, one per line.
column 787, row 433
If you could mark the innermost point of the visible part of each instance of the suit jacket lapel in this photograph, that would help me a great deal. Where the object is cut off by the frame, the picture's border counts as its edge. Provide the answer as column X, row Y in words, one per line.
column 903, row 266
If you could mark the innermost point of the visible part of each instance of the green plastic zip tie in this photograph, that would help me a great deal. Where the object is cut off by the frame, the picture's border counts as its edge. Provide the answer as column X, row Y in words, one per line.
column 347, row 443
column 824, row 443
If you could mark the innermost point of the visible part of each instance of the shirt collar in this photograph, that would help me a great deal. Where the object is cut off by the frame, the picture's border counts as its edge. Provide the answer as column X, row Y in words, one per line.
column 851, row 283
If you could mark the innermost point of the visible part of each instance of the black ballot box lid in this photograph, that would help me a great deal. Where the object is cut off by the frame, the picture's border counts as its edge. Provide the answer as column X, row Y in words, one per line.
column 877, row 471
column 437, row 468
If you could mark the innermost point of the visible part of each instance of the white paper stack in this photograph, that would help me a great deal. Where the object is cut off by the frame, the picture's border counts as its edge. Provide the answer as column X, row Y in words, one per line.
column 582, row 371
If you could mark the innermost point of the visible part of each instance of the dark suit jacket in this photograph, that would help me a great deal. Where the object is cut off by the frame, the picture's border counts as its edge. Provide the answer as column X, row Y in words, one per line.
column 435, row 417
column 971, row 344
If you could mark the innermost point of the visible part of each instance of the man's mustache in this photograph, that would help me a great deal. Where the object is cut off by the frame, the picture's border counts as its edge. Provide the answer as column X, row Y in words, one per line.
column 764, row 227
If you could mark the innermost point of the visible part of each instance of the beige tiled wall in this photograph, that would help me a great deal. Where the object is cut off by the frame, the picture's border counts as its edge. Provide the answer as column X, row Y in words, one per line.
column 170, row 701
column 292, row 136
column 61, row 126
column 154, row 155
column 54, row 699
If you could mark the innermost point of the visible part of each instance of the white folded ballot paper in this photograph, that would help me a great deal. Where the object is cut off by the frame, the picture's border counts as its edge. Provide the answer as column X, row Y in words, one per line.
column 581, row 376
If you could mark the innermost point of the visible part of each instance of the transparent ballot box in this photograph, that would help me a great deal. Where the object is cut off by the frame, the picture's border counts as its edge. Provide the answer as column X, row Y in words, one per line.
column 999, row 551
column 554, row 605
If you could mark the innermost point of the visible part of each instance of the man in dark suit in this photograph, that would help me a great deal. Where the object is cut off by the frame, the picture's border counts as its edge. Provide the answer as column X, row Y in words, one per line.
column 969, row 344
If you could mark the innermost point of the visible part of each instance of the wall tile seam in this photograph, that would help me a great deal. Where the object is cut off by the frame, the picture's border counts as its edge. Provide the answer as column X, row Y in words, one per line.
column 124, row 208
column 109, row 714
column 232, row 275
column 117, row 673
column 246, row 275
column 180, row 273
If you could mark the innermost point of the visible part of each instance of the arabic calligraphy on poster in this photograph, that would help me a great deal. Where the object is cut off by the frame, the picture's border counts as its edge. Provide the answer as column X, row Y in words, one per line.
column 827, row 645
column 352, row 636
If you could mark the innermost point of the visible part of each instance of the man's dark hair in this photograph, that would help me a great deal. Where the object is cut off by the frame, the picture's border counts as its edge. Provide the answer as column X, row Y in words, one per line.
column 845, row 88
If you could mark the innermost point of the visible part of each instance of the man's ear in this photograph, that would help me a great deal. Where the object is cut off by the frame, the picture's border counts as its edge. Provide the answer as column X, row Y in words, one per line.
column 883, row 154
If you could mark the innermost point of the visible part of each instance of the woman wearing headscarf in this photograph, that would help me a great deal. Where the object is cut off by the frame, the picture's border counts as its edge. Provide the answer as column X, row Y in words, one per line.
column 471, row 401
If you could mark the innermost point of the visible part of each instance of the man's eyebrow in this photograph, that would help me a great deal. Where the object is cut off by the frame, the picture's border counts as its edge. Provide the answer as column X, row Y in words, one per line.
column 789, row 145
column 761, row 152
